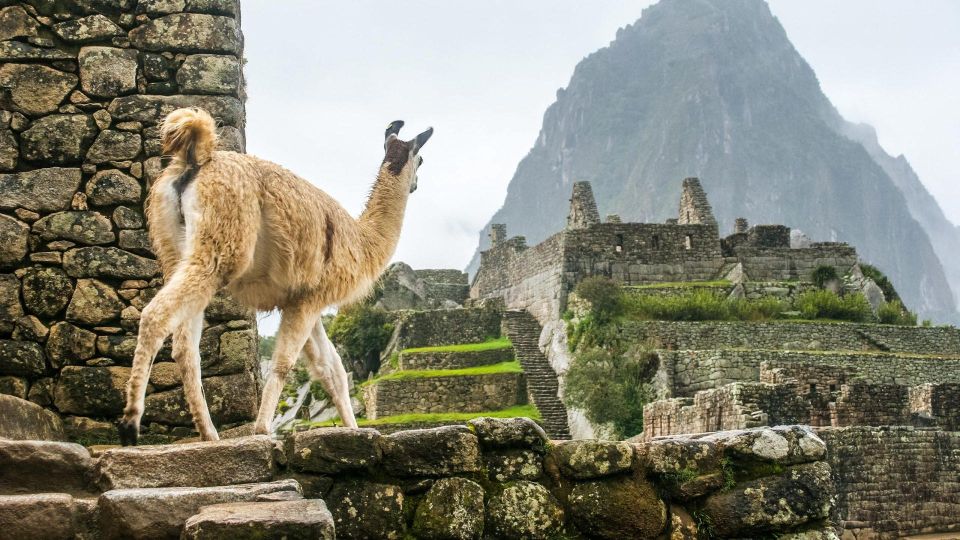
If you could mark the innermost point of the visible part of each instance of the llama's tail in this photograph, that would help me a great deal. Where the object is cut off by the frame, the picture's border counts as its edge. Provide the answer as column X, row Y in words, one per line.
column 189, row 135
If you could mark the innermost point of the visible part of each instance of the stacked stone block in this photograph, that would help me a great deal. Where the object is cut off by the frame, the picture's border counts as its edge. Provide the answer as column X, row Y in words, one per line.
column 83, row 87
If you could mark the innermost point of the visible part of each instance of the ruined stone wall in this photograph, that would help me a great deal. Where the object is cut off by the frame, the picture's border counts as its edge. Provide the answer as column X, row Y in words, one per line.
column 797, row 336
column 83, row 86
column 639, row 253
column 762, row 263
column 895, row 481
column 525, row 278
column 462, row 393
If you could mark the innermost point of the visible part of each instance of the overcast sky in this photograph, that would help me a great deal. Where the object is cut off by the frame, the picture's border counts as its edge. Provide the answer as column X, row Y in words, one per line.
column 325, row 78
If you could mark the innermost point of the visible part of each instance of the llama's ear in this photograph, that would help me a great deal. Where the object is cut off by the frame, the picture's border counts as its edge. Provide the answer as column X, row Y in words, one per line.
column 393, row 129
column 422, row 139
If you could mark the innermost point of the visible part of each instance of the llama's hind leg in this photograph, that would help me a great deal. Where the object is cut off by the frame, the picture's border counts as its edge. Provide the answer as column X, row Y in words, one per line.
column 186, row 294
column 295, row 325
column 326, row 366
column 186, row 351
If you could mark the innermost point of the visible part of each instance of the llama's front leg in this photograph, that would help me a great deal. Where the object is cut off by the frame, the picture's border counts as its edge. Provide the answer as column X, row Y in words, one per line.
column 326, row 366
column 295, row 325
column 186, row 351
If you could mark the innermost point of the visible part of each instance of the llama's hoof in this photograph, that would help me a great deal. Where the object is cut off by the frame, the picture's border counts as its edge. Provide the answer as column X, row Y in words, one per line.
column 129, row 432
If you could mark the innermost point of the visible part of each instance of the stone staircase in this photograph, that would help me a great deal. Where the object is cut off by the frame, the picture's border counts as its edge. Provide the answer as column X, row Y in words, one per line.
column 198, row 490
column 524, row 332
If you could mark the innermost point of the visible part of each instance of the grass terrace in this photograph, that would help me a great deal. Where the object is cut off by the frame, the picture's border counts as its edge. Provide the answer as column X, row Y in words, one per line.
column 490, row 345
column 527, row 411
column 503, row 367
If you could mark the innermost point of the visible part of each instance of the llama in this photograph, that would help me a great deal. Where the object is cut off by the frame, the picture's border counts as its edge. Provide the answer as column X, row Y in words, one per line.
column 222, row 219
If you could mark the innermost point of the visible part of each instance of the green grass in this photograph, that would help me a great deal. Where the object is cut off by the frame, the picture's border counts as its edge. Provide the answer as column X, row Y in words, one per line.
column 490, row 345
column 502, row 367
column 683, row 284
column 528, row 411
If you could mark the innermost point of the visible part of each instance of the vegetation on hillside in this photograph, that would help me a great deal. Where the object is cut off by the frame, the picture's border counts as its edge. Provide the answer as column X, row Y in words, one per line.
column 361, row 333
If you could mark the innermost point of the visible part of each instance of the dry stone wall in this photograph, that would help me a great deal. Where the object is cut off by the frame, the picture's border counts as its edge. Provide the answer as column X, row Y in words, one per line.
column 83, row 86
column 443, row 394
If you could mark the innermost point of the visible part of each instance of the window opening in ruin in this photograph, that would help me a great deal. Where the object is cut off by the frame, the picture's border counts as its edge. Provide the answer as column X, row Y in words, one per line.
column 833, row 388
column 688, row 241
column 655, row 241
column 619, row 246
column 813, row 388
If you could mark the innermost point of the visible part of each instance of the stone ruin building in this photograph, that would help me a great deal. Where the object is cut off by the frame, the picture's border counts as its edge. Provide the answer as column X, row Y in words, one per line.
column 83, row 86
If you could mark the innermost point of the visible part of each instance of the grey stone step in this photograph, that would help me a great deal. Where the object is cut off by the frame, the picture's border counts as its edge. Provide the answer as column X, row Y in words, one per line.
column 242, row 460
column 290, row 520
column 162, row 512
column 39, row 466
column 37, row 516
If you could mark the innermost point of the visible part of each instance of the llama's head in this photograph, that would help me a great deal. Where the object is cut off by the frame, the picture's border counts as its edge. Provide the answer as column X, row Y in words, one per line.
column 403, row 157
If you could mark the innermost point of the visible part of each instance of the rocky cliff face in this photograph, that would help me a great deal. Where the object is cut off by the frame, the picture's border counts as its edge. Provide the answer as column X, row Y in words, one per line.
column 715, row 89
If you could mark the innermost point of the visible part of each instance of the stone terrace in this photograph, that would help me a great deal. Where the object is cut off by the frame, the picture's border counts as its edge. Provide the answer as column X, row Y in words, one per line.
column 493, row 479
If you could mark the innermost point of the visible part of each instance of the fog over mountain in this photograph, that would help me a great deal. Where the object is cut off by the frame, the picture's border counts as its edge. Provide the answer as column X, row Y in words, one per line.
column 715, row 89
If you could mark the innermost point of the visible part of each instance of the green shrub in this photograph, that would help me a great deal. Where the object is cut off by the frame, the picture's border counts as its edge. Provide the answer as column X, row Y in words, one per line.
column 822, row 304
column 695, row 305
column 361, row 332
column 893, row 312
column 760, row 309
column 266, row 346
column 823, row 275
column 604, row 295
column 882, row 281
column 612, row 388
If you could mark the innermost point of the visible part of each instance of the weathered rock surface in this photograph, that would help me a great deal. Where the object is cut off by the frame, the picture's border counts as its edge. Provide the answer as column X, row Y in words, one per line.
column 16, row 51
column 10, row 308
column 802, row 495
column 13, row 240
column 91, row 391
column 614, row 508
column 21, row 358
column 452, row 510
column 112, row 145
column 22, row 420
column 84, row 227
column 513, row 464
column 334, row 450
column 231, row 398
column 87, row 29
column 39, row 516
column 430, row 452
column 111, row 187
column 290, row 520
column 782, row 444
column 108, row 261
column 210, row 74
column 524, row 510
column 93, row 303
column 39, row 466
column 189, row 32
column 46, row 290
column 40, row 190
column 381, row 506
column 161, row 512
column 36, row 89
column 585, row 459
column 68, row 344
column 9, row 152
column 152, row 109
column 107, row 71
column 58, row 139
column 15, row 22
column 509, row 433
column 244, row 460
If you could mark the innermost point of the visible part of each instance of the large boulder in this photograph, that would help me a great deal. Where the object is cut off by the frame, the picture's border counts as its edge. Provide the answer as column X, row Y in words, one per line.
column 431, row 452
column 334, row 450
column 290, row 520
column 243, row 460
column 21, row 358
column 451, row 510
column 36, row 89
column 524, row 510
column 190, row 33
column 781, row 444
column 58, row 139
column 23, row 420
column 509, row 433
column 40, row 190
column 161, row 512
column 38, row 466
column 366, row 510
column 84, row 227
column 622, row 507
column 802, row 494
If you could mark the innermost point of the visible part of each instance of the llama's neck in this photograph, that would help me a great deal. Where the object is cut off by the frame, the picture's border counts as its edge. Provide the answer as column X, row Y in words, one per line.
column 382, row 219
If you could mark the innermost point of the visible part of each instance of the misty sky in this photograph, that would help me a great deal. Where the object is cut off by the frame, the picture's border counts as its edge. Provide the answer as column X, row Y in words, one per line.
column 325, row 78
